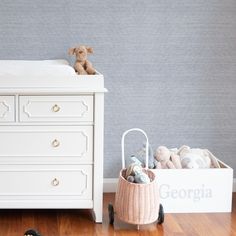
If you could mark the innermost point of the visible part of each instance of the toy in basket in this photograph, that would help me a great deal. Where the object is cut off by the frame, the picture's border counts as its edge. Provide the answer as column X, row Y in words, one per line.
column 136, row 203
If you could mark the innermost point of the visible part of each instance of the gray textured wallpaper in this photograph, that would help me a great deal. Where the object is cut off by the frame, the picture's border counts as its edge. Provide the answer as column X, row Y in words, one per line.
column 169, row 66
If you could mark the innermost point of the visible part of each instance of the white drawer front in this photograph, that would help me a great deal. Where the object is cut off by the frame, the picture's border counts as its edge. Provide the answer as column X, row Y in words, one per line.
column 31, row 182
column 7, row 108
column 56, row 108
column 75, row 141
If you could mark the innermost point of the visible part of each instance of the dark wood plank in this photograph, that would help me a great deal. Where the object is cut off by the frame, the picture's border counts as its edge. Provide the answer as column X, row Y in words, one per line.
column 79, row 222
column 46, row 222
column 28, row 220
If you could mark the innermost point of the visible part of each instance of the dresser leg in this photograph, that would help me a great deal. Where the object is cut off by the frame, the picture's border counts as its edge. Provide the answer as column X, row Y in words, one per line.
column 97, row 215
column 98, row 157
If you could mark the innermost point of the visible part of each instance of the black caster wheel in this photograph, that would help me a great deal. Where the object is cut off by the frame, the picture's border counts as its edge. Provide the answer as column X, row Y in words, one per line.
column 32, row 232
column 111, row 213
column 161, row 216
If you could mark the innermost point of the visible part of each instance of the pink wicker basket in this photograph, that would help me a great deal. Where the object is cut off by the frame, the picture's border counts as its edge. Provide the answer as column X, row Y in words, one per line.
column 137, row 203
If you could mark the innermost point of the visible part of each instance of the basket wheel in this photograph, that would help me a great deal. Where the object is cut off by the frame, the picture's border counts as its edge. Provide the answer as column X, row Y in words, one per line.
column 31, row 232
column 111, row 213
column 161, row 216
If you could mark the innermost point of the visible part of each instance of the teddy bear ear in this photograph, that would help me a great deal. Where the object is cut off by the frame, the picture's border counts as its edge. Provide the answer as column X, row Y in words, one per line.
column 71, row 51
column 183, row 149
column 89, row 49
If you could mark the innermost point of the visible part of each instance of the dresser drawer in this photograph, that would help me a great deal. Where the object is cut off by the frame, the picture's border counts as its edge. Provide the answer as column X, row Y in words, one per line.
column 7, row 108
column 74, row 141
column 47, row 181
column 55, row 108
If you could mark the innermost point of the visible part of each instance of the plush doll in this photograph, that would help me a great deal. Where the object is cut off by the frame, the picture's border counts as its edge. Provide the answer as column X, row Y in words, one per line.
column 141, row 156
column 167, row 158
column 193, row 161
column 82, row 65
column 134, row 173
column 197, row 158
column 131, row 168
column 141, row 178
column 134, row 159
column 175, row 160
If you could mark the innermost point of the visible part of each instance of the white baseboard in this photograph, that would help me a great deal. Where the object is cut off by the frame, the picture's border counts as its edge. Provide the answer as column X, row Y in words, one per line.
column 110, row 184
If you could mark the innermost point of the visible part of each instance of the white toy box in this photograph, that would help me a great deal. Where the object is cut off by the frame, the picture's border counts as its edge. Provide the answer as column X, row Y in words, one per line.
column 196, row 190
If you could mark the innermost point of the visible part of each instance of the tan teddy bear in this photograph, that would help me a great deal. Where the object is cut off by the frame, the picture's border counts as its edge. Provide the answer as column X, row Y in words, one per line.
column 167, row 159
column 82, row 65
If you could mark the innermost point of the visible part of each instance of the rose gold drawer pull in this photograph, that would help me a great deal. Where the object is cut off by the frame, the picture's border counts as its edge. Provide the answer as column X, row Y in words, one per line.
column 55, row 143
column 55, row 182
column 56, row 108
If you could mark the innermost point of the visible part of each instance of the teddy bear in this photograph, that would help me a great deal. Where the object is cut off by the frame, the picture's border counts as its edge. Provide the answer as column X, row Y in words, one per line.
column 82, row 66
column 167, row 159
column 195, row 158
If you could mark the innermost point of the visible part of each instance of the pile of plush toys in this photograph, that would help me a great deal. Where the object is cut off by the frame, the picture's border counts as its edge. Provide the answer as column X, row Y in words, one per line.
column 164, row 158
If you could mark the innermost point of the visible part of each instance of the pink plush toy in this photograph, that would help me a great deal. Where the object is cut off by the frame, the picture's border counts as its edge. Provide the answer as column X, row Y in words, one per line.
column 176, row 160
column 167, row 159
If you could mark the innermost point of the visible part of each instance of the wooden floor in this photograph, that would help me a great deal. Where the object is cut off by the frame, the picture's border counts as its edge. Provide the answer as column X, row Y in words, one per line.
column 79, row 222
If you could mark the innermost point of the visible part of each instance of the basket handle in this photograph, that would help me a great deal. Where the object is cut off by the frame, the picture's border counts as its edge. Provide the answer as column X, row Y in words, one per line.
column 123, row 145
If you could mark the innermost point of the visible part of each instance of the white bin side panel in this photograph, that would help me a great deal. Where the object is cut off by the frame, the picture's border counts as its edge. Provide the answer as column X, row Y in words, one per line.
column 202, row 190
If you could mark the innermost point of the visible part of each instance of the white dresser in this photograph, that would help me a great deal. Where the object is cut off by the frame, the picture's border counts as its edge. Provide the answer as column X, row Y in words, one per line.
column 51, row 142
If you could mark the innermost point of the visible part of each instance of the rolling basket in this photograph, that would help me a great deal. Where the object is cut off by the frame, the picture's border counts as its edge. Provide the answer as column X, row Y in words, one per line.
column 136, row 203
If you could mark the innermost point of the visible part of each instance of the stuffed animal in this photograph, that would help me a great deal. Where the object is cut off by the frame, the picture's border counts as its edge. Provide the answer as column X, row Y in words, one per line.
column 167, row 159
column 82, row 65
column 175, row 160
column 134, row 173
column 131, row 169
column 134, row 159
column 193, row 161
column 130, row 178
column 141, row 156
column 197, row 158
column 141, row 178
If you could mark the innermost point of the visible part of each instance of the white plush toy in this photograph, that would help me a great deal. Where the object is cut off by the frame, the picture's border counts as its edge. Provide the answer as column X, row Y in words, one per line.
column 197, row 158
column 193, row 161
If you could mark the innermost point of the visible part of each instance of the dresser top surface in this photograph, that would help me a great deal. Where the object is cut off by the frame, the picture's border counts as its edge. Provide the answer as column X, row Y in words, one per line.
column 46, row 77
column 77, row 83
